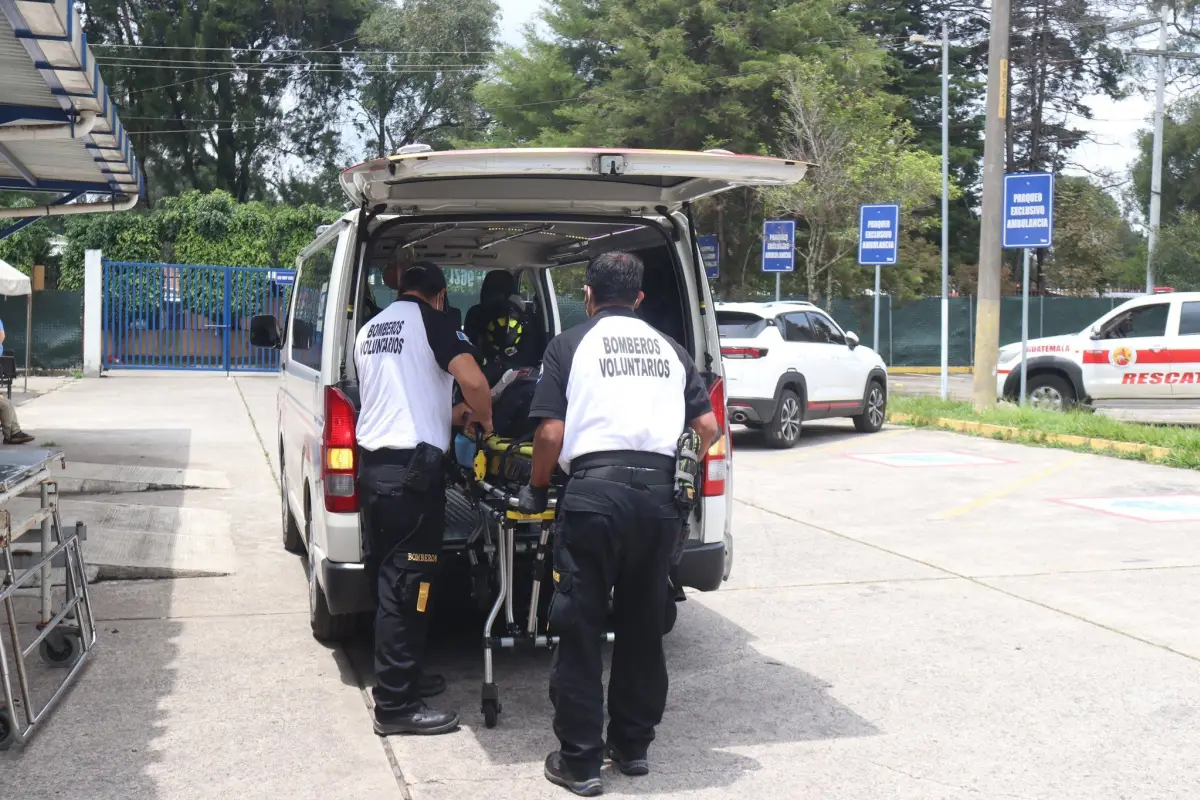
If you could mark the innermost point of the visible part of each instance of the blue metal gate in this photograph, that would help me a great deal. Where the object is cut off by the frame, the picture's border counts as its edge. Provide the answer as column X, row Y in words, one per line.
column 189, row 316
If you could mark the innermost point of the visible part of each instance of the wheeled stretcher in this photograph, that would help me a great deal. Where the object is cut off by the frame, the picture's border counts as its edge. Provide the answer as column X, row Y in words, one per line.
column 492, row 472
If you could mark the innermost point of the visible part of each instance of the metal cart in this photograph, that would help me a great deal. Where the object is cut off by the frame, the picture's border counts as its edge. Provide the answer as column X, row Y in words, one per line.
column 496, row 544
column 28, row 564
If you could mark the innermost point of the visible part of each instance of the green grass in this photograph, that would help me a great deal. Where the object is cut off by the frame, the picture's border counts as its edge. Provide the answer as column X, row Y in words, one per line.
column 1183, row 442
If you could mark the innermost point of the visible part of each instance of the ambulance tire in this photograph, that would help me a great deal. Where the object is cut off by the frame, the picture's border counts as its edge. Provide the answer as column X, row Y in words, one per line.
column 1048, row 387
column 293, row 538
column 783, row 431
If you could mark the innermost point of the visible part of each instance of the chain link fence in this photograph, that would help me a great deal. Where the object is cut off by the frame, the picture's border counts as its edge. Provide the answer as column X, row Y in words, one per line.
column 910, row 331
column 57, row 330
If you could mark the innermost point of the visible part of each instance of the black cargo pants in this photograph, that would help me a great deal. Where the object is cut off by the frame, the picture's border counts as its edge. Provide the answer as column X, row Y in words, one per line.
column 610, row 533
column 402, row 545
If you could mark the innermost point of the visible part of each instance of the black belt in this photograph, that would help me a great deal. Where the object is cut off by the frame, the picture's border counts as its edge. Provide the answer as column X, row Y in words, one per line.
column 634, row 476
column 623, row 458
column 386, row 456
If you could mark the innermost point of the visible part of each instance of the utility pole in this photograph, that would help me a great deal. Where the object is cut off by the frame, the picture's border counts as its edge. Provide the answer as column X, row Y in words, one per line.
column 987, row 316
column 1156, row 162
column 919, row 39
column 945, row 210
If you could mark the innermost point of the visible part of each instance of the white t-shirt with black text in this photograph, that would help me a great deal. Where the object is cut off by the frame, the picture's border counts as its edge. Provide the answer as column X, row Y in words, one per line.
column 618, row 385
column 405, row 390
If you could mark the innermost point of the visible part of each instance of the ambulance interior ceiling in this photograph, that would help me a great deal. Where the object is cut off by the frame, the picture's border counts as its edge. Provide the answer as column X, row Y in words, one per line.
column 509, row 245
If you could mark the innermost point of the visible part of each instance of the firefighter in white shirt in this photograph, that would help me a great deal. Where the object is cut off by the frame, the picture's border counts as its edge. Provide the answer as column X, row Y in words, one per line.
column 614, row 397
column 408, row 357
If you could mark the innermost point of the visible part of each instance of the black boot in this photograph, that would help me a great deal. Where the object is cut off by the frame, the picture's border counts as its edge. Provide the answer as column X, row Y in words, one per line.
column 628, row 766
column 425, row 722
column 431, row 685
column 557, row 773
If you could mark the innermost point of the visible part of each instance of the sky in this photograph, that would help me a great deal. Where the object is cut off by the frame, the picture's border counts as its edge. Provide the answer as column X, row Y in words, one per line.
column 1113, row 130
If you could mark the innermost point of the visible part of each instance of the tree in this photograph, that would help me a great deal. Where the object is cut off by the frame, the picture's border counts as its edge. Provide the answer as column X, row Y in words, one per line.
column 31, row 245
column 914, row 73
column 1059, row 57
column 214, row 92
column 419, row 68
column 1177, row 257
column 1089, row 238
column 1181, row 161
column 864, row 154
column 672, row 74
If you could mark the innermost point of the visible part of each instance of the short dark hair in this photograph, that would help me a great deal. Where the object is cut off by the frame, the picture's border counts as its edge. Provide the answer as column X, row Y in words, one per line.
column 615, row 277
column 423, row 277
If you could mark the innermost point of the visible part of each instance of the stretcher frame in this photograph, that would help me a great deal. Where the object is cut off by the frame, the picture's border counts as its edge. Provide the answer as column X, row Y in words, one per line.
column 502, row 518
column 65, row 637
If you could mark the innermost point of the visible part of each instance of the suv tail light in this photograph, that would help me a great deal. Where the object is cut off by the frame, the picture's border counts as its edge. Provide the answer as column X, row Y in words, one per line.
column 743, row 352
column 716, row 460
column 338, row 458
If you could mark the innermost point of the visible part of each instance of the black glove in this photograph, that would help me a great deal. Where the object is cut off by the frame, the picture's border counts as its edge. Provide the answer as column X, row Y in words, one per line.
column 533, row 500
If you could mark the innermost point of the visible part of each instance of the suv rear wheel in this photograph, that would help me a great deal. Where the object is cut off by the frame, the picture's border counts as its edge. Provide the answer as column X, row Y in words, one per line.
column 783, row 430
column 874, row 409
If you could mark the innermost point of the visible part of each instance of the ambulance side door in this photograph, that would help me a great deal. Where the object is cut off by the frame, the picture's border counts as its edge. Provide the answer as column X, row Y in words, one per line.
column 1185, row 353
column 1130, row 357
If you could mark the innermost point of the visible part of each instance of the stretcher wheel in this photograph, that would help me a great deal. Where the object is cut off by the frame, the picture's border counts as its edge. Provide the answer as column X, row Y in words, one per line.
column 491, row 713
column 60, row 649
column 8, row 731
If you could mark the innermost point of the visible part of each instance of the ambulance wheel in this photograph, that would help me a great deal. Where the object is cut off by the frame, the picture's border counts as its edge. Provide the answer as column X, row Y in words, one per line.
column 783, row 431
column 8, row 730
column 293, row 539
column 1050, row 392
column 491, row 713
column 326, row 627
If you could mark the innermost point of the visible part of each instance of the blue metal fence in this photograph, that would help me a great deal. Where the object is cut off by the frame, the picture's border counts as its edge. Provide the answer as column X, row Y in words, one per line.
column 189, row 316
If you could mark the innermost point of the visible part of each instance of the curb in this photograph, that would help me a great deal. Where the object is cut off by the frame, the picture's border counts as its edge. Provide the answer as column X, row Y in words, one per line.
column 1150, row 451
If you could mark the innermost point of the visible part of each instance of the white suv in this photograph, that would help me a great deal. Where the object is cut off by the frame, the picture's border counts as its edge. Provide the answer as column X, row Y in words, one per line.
column 1145, row 349
column 787, row 363
column 539, row 214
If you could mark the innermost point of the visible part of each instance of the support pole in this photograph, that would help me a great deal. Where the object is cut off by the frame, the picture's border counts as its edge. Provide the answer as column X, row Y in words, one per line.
column 876, row 308
column 1156, row 162
column 28, row 336
column 777, row 288
column 945, row 210
column 987, row 319
column 1024, row 320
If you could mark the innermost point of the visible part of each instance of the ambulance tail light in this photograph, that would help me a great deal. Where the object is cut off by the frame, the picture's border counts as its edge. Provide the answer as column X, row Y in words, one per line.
column 716, row 461
column 338, row 455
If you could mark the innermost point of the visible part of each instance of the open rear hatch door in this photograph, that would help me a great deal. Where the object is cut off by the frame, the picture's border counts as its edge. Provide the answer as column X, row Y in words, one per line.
column 560, row 180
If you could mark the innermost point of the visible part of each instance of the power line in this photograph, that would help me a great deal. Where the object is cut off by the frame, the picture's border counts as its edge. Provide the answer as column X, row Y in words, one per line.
column 306, row 68
column 321, row 51
column 204, row 77
column 127, row 62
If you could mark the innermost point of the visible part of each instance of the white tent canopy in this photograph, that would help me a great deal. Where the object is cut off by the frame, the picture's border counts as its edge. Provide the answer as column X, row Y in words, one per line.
column 14, row 283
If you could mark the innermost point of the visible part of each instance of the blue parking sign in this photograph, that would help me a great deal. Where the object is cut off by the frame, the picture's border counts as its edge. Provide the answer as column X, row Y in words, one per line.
column 878, row 234
column 779, row 245
column 1028, row 210
column 710, row 251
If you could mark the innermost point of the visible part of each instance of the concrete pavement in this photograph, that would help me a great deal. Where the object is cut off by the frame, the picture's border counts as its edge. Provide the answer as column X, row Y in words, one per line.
column 200, row 687
column 912, row 614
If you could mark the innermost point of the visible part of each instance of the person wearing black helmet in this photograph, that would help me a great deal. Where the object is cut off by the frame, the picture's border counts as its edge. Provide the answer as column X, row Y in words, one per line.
column 614, row 399
column 408, row 357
